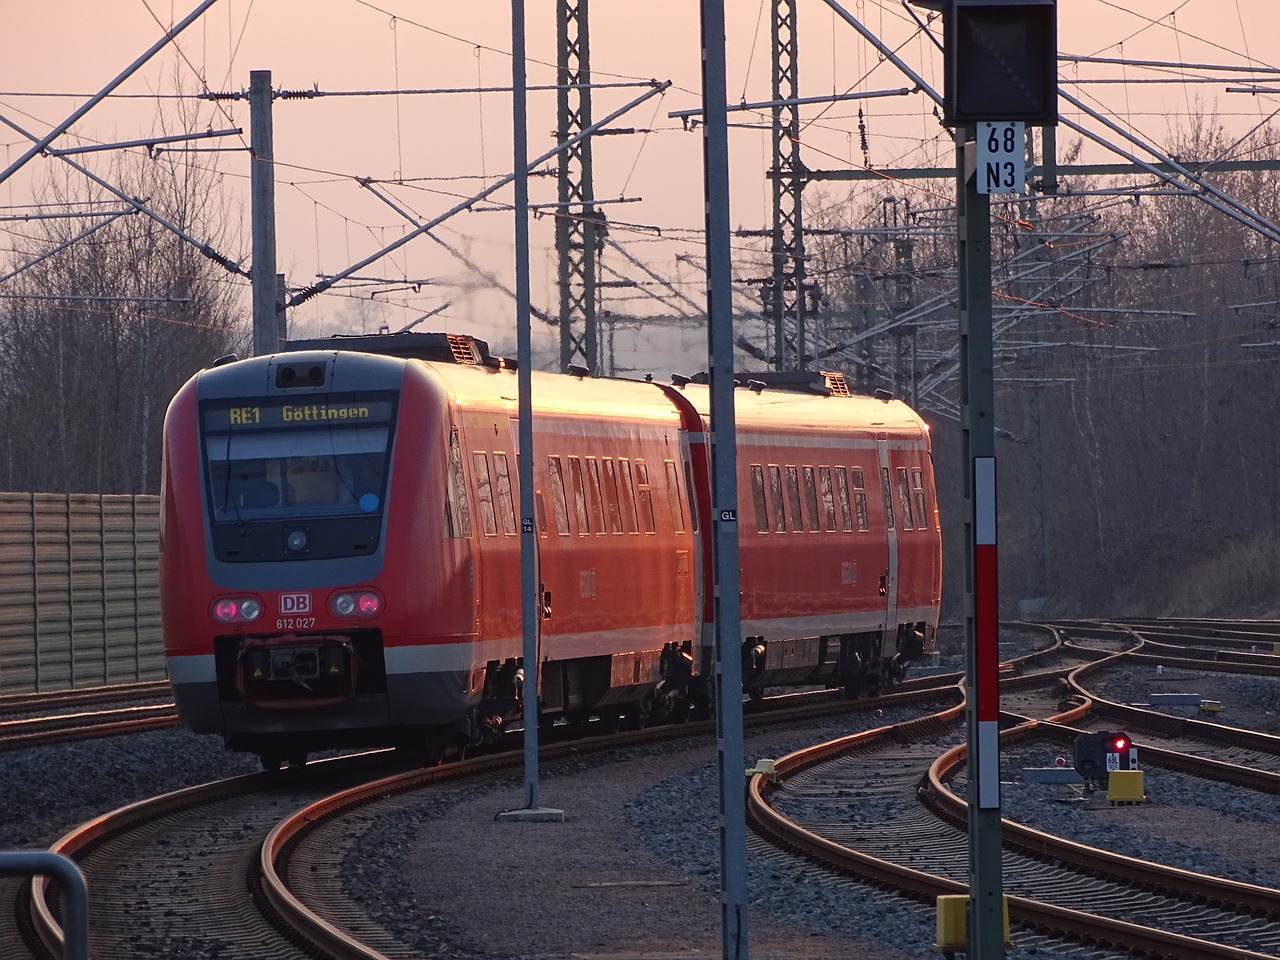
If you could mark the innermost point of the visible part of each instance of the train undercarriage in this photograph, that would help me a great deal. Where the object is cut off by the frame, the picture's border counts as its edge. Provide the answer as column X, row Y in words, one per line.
column 291, row 674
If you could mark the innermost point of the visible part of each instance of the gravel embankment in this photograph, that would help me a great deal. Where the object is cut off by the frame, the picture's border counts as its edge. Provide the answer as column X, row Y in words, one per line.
column 635, row 865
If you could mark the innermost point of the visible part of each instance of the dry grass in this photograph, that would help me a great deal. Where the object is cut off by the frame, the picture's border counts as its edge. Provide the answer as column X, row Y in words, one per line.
column 1243, row 581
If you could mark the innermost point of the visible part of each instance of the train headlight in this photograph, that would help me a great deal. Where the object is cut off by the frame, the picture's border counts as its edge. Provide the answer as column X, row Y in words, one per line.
column 356, row 604
column 296, row 540
column 236, row 610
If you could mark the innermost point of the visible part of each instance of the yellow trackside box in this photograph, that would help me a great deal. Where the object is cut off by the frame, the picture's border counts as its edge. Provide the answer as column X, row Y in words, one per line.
column 953, row 919
column 1125, row 786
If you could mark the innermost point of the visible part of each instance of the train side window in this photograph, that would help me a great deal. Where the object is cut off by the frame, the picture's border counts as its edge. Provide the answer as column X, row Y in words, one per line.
column 506, row 502
column 917, row 492
column 828, row 497
column 484, row 494
column 776, row 499
column 860, row 500
column 842, row 495
column 673, row 495
column 811, row 501
column 540, row 508
column 611, row 496
column 757, row 495
column 886, row 488
column 579, row 496
column 793, row 500
column 458, row 511
column 904, row 499
column 559, row 506
column 645, row 497
column 593, row 492
column 628, row 496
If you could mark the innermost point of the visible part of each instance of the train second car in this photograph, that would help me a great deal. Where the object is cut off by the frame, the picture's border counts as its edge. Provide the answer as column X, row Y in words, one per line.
column 340, row 559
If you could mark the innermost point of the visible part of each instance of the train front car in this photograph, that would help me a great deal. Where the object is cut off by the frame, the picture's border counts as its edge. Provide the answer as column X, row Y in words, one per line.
column 280, row 586
column 839, row 541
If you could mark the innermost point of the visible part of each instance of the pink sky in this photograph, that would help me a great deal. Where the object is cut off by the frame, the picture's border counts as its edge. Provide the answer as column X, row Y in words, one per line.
column 326, row 221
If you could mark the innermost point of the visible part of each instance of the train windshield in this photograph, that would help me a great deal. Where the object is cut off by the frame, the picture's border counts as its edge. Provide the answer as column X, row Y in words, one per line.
column 274, row 460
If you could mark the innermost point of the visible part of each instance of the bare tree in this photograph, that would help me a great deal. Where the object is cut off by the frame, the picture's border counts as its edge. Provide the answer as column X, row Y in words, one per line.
column 1138, row 324
column 95, row 338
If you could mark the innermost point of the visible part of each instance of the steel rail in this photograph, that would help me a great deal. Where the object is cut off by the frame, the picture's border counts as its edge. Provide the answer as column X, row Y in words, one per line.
column 935, row 794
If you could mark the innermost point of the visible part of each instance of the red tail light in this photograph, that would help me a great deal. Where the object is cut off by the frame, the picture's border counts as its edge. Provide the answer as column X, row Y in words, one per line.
column 236, row 610
column 356, row 604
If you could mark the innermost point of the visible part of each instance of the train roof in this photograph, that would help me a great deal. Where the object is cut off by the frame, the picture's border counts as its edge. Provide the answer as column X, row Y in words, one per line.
column 758, row 406
column 565, row 394
column 443, row 347
column 818, row 401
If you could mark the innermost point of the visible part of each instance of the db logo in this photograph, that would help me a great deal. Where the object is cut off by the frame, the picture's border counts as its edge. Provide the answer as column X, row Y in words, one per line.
column 295, row 603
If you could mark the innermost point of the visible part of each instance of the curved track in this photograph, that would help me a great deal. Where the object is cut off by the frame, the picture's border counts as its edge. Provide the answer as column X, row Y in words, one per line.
column 1053, row 884
column 153, row 865
column 883, row 792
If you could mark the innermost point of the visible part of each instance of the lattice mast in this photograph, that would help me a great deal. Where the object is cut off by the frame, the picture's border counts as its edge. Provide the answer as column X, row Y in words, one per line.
column 784, row 295
column 579, row 226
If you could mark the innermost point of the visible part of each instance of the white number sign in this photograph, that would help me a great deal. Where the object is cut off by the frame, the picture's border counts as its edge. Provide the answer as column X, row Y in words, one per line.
column 1002, row 157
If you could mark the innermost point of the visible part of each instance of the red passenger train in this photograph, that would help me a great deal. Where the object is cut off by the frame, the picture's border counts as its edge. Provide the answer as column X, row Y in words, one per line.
column 340, row 563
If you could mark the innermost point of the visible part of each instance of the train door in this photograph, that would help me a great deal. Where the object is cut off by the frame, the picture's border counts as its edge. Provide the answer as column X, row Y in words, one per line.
column 458, row 514
column 540, row 529
column 889, row 579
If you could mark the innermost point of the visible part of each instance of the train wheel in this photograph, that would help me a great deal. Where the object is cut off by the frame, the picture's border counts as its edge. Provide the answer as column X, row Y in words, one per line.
column 270, row 762
column 680, row 710
column 671, row 708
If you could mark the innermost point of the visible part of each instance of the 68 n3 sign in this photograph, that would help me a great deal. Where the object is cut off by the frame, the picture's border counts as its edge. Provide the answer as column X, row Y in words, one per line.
column 1002, row 157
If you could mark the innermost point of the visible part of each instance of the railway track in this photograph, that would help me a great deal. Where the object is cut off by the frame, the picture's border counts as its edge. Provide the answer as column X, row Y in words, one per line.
column 292, row 863
column 1054, row 885
column 31, row 719
column 171, row 873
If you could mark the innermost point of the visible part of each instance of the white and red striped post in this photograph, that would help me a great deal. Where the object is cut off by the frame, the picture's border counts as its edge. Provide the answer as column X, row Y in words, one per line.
column 985, row 766
column 982, row 607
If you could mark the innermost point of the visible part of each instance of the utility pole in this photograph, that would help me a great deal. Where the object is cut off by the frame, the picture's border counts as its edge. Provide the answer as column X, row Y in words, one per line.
column 579, row 223
column 262, row 184
column 1033, row 424
column 900, row 301
column 726, row 582
column 282, row 323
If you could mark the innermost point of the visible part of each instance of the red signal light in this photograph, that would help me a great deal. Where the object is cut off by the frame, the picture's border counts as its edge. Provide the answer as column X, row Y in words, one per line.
column 1119, row 744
